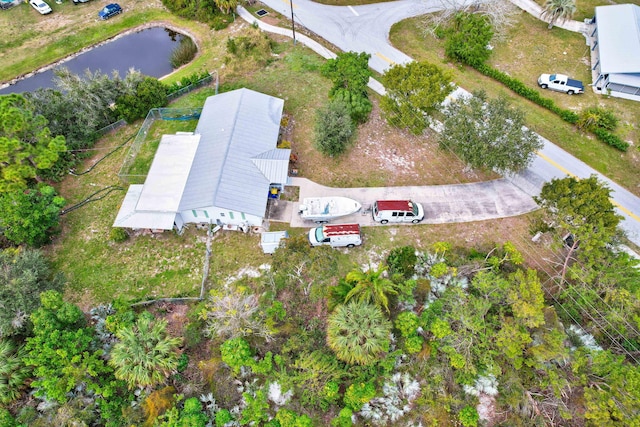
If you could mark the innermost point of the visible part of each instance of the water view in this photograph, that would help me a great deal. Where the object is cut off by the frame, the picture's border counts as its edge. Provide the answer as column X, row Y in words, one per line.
column 148, row 51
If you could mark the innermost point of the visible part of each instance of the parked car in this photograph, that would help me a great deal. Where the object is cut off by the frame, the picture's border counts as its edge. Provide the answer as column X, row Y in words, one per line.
column 79, row 1
column 42, row 7
column 561, row 83
column 386, row 211
column 336, row 235
column 110, row 10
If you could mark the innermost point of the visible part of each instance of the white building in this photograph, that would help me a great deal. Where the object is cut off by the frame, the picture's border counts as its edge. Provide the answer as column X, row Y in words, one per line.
column 615, row 48
column 220, row 174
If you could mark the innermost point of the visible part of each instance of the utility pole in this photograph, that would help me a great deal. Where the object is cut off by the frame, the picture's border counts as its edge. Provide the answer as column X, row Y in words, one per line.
column 293, row 24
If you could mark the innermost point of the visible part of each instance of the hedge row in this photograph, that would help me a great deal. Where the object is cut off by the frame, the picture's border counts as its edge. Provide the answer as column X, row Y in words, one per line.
column 533, row 95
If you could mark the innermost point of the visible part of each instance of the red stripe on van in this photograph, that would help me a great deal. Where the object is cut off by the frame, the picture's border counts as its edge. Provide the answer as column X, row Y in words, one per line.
column 395, row 205
column 340, row 229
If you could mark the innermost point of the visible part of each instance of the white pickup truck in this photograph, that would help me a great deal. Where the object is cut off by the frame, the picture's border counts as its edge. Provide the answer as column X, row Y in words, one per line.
column 561, row 83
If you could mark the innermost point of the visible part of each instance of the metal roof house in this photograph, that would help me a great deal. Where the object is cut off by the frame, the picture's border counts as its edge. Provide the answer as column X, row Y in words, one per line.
column 616, row 51
column 221, row 174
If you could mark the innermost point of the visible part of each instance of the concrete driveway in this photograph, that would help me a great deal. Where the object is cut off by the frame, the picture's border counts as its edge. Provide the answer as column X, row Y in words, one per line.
column 442, row 203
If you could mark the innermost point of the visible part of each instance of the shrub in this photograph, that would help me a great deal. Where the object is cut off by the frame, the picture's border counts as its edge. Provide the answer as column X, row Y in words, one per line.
column 184, row 52
column 118, row 234
column 236, row 353
column 358, row 394
column 149, row 93
column 413, row 345
column 407, row 323
column 402, row 260
column 594, row 118
column 333, row 129
column 358, row 104
column 611, row 139
column 468, row 38
column 469, row 417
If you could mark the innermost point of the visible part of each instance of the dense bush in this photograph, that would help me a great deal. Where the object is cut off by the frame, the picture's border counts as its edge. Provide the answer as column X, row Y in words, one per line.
column 593, row 118
column 611, row 139
column 402, row 261
column 186, row 81
column 333, row 129
column 149, row 93
column 468, row 38
column 30, row 216
column 118, row 234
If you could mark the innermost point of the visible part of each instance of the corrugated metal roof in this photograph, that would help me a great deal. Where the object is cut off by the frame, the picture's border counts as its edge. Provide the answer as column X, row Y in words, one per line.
column 235, row 127
column 128, row 217
column 165, row 183
column 619, row 38
column 274, row 164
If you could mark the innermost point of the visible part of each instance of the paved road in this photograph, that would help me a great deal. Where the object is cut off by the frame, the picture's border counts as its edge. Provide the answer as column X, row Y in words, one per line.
column 366, row 28
column 442, row 203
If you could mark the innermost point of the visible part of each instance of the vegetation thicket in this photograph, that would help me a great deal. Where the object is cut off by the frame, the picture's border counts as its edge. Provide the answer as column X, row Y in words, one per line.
column 434, row 334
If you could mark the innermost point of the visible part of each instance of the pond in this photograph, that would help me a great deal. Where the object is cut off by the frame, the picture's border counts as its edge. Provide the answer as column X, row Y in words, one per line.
column 148, row 51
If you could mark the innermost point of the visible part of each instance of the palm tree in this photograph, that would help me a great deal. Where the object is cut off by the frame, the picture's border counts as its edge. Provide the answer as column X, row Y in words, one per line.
column 556, row 10
column 371, row 286
column 144, row 355
column 13, row 373
column 358, row 333
column 226, row 6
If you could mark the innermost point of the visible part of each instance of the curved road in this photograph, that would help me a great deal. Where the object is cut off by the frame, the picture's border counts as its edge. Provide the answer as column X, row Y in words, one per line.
column 366, row 28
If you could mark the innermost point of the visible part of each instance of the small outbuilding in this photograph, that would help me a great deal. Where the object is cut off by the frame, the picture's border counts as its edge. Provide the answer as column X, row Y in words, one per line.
column 222, row 173
column 615, row 51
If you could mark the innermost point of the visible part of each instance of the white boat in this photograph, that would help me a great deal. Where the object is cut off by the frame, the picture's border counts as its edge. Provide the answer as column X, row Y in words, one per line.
column 324, row 209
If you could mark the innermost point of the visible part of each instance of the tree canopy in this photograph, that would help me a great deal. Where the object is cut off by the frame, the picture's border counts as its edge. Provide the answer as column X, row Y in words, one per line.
column 30, row 216
column 414, row 91
column 334, row 129
column 23, row 275
column 583, row 208
column 468, row 38
column 26, row 144
column 488, row 134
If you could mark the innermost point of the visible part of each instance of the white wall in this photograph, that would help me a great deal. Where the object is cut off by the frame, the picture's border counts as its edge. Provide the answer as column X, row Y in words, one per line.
column 217, row 215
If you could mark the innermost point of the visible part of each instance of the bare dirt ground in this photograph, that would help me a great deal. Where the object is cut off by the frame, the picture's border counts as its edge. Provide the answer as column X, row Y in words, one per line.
column 382, row 155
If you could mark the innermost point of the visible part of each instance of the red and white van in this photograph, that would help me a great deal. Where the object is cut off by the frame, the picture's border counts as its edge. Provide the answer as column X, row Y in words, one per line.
column 385, row 211
column 336, row 235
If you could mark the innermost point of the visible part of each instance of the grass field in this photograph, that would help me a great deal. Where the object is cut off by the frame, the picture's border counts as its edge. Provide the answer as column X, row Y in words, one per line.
column 168, row 265
column 527, row 50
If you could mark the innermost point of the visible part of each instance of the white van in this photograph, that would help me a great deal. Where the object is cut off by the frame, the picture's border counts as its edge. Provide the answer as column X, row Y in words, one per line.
column 338, row 235
column 386, row 211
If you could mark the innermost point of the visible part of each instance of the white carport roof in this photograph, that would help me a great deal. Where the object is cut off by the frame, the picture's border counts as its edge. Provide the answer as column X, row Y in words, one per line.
column 168, row 174
column 155, row 204
column 619, row 38
column 128, row 217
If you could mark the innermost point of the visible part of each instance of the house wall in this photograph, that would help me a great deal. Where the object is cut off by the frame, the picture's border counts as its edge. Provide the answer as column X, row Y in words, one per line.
column 220, row 216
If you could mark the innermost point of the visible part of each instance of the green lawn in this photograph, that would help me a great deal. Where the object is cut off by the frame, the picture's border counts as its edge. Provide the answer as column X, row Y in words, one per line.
column 527, row 50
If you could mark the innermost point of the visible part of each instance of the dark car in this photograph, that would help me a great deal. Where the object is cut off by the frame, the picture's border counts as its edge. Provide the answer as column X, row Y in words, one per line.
column 110, row 10
column 79, row 1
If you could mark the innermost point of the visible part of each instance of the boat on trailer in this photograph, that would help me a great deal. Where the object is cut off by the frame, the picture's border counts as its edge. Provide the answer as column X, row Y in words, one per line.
column 324, row 209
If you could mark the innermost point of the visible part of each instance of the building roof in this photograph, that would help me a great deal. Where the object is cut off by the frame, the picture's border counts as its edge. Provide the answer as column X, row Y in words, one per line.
column 167, row 178
column 229, row 162
column 129, row 217
column 619, row 38
column 237, row 157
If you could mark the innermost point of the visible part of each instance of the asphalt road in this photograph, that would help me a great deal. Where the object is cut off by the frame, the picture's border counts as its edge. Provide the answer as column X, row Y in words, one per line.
column 366, row 28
